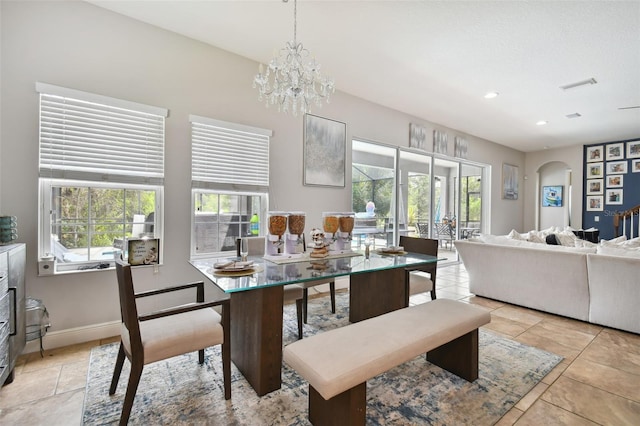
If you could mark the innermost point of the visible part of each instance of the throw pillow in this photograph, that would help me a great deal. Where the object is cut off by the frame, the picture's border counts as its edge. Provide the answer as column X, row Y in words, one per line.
column 552, row 240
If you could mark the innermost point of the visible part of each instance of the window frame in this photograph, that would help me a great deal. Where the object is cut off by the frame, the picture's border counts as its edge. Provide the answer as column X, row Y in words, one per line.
column 45, row 215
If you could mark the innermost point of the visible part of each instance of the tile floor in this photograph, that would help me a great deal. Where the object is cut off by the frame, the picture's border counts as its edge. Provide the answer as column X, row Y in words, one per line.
column 597, row 383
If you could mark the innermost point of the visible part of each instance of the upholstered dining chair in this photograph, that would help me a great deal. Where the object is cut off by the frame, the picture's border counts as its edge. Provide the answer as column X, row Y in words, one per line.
column 167, row 333
column 419, row 281
column 292, row 292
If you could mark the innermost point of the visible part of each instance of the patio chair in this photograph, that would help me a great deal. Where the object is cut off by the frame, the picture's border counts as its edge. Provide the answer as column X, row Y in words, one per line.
column 444, row 234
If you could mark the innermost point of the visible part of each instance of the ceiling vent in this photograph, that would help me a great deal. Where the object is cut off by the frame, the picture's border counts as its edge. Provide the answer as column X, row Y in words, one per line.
column 579, row 83
column 630, row 107
column 574, row 115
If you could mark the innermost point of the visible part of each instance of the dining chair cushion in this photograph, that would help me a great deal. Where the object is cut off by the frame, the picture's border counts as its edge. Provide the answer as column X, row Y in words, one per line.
column 419, row 282
column 166, row 337
column 292, row 293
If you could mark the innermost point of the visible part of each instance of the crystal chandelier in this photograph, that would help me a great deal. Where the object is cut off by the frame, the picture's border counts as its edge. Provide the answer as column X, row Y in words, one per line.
column 290, row 80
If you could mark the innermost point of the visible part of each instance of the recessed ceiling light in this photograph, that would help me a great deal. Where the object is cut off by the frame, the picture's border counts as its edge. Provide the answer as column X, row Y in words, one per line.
column 541, row 123
column 491, row 95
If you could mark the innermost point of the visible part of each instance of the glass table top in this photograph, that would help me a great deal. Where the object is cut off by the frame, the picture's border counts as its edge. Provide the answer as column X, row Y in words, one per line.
column 266, row 273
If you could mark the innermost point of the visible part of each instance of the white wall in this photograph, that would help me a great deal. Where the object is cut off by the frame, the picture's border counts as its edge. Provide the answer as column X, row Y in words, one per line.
column 78, row 45
column 553, row 174
column 572, row 157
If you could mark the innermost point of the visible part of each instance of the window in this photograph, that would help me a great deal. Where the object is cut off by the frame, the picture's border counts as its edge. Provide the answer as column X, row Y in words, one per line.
column 230, row 183
column 101, row 167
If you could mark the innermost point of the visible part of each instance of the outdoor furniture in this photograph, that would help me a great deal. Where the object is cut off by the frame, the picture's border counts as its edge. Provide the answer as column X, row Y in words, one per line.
column 423, row 229
column 444, row 233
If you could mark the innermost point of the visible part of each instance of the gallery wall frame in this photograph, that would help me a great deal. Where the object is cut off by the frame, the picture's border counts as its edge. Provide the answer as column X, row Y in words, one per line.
column 594, row 203
column 325, row 149
column 509, row 181
column 635, row 166
column 633, row 149
column 595, row 186
column 594, row 153
column 552, row 196
column 615, row 181
column 614, row 197
column 594, row 170
column 616, row 167
column 615, row 151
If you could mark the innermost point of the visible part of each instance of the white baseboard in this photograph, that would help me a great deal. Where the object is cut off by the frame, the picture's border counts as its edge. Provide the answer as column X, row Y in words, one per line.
column 73, row 336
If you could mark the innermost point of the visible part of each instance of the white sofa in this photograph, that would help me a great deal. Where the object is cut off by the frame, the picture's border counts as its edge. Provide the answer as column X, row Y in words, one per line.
column 576, row 282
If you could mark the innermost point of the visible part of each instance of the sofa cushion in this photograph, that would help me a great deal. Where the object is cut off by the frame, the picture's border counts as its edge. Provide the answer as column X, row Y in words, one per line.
column 619, row 251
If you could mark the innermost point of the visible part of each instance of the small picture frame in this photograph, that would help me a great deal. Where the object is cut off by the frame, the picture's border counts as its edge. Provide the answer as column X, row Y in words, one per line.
column 144, row 251
column 633, row 149
column 594, row 170
column 615, row 181
column 613, row 196
column 616, row 167
column 594, row 153
column 615, row 151
column 552, row 196
column 635, row 166
column 594, row 203
column 595, row 187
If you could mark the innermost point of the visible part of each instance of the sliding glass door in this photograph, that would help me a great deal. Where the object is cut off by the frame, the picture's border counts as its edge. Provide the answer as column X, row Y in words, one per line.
column 406, row 192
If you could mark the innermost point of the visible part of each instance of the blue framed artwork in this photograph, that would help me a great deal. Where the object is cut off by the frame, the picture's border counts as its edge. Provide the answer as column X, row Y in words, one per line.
column 552, row 196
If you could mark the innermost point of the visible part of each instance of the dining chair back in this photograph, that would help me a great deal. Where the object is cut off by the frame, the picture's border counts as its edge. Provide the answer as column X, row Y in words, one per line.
column 420, row 281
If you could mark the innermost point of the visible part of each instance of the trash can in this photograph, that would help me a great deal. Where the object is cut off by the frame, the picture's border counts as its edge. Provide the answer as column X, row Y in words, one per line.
column 37, row 321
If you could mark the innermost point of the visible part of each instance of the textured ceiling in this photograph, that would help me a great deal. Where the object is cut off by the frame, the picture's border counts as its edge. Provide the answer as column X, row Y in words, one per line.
column 436, row 59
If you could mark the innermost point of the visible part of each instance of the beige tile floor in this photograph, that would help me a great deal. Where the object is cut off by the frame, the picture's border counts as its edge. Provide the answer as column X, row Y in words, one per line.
column 597, row 383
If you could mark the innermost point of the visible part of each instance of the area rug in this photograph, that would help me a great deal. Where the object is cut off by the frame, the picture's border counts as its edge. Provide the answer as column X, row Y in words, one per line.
column 181, row 391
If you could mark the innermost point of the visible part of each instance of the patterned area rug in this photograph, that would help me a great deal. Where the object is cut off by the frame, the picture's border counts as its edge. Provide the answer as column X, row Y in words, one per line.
column 180, row 391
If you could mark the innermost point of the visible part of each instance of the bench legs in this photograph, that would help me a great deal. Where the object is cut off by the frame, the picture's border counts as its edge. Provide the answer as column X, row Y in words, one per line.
column 347, row 408
column 459, row 356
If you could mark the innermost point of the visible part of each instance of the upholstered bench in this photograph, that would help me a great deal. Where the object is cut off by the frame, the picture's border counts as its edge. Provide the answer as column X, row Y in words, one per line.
column 338, row 363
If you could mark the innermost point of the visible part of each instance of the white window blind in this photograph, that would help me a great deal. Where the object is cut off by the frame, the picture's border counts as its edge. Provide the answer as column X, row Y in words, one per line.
column 228, row 153
column 92, row 137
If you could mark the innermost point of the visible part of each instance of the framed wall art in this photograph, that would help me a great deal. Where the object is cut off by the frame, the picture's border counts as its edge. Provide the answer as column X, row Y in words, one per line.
column 509, row 182
column 417, row 136
column 325, row 143
column 594, row 153
column 635, row 166
column 615, row 181
column 552, row 196
column 594, row 170
column 594, row 186
column 460, row 147
column 440, row 144
column 594, row 203
column 633, row 149
column 616, row 167
column 613, row 196
column 615, row 151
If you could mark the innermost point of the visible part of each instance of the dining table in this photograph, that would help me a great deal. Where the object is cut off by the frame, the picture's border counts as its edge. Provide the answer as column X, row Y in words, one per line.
column 378, row 283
